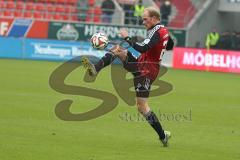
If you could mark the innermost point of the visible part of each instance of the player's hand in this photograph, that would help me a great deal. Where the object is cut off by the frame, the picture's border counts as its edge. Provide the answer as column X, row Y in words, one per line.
column 123, row 33
column 117, row 50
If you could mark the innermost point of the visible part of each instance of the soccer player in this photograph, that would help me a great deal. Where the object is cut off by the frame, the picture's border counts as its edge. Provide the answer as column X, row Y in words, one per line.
column 145, row 68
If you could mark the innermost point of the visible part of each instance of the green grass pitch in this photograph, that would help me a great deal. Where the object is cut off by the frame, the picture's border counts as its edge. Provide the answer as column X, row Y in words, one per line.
column 30, row 130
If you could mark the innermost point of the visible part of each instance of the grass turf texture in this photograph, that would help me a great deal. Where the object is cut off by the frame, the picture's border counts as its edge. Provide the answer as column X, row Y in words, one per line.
column 29, row 129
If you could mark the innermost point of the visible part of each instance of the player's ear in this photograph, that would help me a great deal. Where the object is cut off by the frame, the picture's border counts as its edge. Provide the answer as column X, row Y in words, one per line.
column 170, row 44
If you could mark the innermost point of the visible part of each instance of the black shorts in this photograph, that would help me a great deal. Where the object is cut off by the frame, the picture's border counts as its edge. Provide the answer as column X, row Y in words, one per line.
column 142, row 84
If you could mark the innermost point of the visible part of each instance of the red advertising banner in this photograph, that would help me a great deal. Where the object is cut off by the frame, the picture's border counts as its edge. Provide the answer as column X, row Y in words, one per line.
column 36, row 29
column 5, row 25
column 201, row 59
column 39, row 29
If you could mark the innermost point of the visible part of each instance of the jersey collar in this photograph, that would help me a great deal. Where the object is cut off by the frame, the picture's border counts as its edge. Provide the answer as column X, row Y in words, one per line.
column 153, row 26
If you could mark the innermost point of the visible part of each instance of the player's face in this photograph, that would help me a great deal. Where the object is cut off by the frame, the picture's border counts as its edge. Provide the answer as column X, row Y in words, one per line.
column 147, row 20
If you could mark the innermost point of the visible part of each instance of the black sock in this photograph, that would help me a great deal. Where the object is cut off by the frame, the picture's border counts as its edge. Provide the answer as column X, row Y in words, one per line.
column 154, row 122
column 107, row 59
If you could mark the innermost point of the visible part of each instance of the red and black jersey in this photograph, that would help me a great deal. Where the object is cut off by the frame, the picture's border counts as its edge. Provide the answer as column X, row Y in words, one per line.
column 151, row 50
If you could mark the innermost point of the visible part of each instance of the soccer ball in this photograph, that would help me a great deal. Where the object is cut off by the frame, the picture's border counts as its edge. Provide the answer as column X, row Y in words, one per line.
column 99, row 41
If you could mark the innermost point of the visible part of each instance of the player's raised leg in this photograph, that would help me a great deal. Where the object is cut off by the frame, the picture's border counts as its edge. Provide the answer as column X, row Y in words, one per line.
column 107, row 59
column 120, row 52
column 93, row 69
column 89, row 66
column 128, row 60
column 99, row 41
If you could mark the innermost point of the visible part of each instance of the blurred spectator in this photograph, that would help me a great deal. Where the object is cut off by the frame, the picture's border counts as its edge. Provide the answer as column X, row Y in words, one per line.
column 165, row 10
column 157, row 2
column 82, row 9
column 128, row 7
column 108, row 8
column 234, row 1
column 229, row 41
column 212, row 39
column 234, row 40
column 138, row 12
column 224, row 41
column 197, row 44
column 129, row 10
column 238, row 41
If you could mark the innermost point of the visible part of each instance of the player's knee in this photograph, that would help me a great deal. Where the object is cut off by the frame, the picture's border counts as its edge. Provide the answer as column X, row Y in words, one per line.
column 142, row 107
column 108, row 58
column 139, row 107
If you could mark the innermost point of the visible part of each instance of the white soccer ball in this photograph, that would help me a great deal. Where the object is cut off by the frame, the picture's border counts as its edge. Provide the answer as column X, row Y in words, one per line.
column 99, row 41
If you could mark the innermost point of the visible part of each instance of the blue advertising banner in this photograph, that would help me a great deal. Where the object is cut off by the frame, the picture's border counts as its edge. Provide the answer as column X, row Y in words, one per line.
column 58, row 50
column 11, row 47
column 20, row 27
column 39, row 49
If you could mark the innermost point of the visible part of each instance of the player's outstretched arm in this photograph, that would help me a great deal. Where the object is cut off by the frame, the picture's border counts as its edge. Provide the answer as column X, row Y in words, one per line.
column 143, row 46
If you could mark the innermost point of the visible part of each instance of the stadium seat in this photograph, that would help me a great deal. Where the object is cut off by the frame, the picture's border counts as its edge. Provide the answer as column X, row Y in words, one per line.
column 8, row 13
column 74, row 10
column 97, row 11
column 50, row 8
column 20, row 5
column 57, row 16
column 48, row 15
column 40, row 7
column 91, row 2
column 10, row 5
column 27, row 14
column 74, row 18
column 67, row 8
column 97, row 19
column 65, row 17
column 90, row 11
column 18, row 13
column 49, row 1
column 52, row 1
column 42, row 1
column 97, row 14
column 2, row 5
column 29, row 6
column 37, row 15
column 60, row 8
column 61, row 1
column 89, row 16
column 73, row 2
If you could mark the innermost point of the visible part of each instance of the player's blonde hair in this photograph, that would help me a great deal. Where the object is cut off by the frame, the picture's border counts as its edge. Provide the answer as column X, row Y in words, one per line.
column 153, row 12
